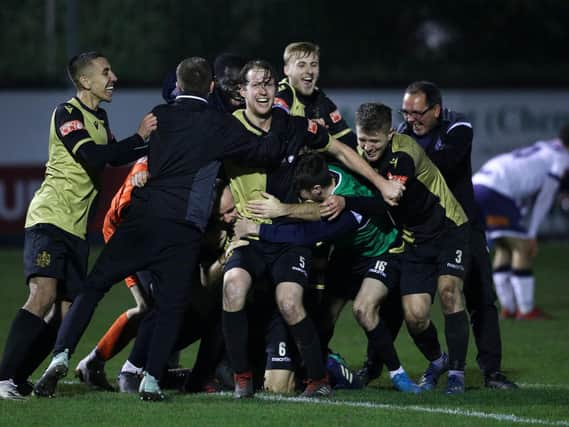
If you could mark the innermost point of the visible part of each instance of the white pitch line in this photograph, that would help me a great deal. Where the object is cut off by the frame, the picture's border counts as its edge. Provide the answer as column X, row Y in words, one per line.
column 551, row 386
column 417, row 408
column 449, row 411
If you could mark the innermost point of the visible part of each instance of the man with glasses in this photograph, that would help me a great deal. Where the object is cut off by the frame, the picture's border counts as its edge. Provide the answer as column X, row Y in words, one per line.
column 446, row 136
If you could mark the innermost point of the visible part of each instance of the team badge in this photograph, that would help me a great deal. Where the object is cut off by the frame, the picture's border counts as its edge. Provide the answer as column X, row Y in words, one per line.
column 439, row 145
column 335, row 116
column 393, row 162
column 43, row 259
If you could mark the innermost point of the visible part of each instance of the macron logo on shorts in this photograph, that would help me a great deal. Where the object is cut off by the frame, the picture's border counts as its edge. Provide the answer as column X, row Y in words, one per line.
column 300, row 269
column 455, row 266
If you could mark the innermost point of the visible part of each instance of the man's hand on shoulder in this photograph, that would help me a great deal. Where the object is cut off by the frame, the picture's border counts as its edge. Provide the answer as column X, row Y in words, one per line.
column 268, row 207
column 332, row 207
column 148, row 125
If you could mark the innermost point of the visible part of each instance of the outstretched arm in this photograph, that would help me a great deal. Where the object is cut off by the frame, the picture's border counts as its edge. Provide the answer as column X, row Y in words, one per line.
column 311, row 232
column 390, row 190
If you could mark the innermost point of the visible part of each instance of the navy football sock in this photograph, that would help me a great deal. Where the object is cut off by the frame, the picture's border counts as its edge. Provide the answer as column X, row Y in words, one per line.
column 428, row 343
column 381, row 340
column 308, row 343
column 456, row 332
column 39, row 351
column 236, row 333
column 24, row 331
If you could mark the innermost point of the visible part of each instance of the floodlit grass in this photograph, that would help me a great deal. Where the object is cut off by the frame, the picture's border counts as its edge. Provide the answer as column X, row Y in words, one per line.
column 536, row 355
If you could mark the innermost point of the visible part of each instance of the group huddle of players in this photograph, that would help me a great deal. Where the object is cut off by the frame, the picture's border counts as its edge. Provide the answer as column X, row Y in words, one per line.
column 383, row 218
column 364, row 237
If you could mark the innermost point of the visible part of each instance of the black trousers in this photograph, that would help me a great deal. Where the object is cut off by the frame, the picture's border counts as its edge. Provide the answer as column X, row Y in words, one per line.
column 170, row 251
column 481, row 304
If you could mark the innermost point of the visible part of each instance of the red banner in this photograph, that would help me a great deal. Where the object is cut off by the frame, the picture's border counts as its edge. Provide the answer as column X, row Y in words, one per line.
column 19, row 183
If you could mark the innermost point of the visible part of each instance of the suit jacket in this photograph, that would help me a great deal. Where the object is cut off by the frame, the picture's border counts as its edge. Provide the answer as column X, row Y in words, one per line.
column 184, row 158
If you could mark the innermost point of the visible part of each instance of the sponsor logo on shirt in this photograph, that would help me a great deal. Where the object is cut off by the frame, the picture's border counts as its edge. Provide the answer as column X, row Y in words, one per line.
column 281, row 103
column 497, row 221
column 71, row 126
column 312, row 127
column 400, row 178
column 335, row 116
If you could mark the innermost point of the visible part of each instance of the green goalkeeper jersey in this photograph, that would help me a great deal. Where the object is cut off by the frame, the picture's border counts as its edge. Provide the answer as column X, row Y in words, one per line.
column 377, row 233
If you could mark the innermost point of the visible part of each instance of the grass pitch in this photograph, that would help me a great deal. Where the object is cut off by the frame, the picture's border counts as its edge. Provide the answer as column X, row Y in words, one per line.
column 536, row 356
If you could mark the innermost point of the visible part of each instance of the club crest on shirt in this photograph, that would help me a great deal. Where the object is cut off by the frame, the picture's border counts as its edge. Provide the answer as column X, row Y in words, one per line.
column 43, row 259
column 439, row 145
column 288, row 159
column 393, row 162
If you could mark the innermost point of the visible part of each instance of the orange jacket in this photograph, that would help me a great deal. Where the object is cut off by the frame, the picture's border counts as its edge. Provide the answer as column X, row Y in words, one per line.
column 119, row 202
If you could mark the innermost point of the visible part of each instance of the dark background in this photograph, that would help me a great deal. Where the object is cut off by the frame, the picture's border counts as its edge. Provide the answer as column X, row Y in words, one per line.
column 501, row 43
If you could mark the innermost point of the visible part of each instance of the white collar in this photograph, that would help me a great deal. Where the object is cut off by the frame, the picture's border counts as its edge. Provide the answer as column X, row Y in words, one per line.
column 199, row 98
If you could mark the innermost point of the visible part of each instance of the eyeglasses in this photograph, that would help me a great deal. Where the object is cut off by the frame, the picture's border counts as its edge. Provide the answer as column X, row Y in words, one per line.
column 415, row 114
